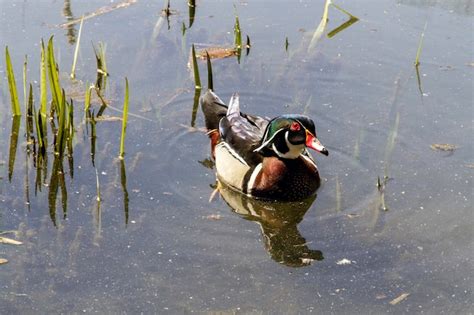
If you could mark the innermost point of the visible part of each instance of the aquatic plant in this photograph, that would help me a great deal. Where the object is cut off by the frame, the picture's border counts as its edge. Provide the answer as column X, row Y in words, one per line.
column 16, row 111
column 197, row 79
column 124, row 121
column 76, row 50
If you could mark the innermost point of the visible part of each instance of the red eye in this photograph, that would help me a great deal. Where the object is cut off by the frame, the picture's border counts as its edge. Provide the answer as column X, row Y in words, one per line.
column 295, row 126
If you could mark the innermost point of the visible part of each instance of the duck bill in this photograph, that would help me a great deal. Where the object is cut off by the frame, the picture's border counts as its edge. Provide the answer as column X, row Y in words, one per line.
column 313, row 143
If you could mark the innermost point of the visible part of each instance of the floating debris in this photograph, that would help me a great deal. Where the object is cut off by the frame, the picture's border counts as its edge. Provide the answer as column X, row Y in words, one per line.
column 3, row 261
column 446, row 147
column 397, row 300
column 214, row 217
column 6, row 240
column 344, row 261
column 216, row 52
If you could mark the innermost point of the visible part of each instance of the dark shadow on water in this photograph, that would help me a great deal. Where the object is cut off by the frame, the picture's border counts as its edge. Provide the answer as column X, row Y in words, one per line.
column 278, row 222
column 123, row 182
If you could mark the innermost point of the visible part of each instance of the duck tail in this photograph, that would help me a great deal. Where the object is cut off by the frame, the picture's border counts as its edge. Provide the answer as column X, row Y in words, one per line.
column 213, row 108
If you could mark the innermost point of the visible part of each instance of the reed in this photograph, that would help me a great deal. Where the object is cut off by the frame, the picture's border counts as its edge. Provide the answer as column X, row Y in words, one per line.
column 76, row 50
column 15, row 104
column 102, row 73
column 43, row 91
column 420, row 46
column 210, row 84
column 25, row 68
column 124, row 121
column 197, row 79
column 53, row 75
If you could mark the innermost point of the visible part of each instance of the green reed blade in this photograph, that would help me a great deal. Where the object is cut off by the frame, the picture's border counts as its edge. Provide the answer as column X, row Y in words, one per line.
column 237, row 34
column 420, row 45
column 344, row 11
column 321, row 27
column 124, row 121
column 25, row 65
column 197, row 80
column 76, row 51
column 13, row 145
column 16, row 111
column 101, row 66
column 210, row 84
column 53, row 73
column 43, row 91
column 59, row 145
column 343, row 26
column 237, row 38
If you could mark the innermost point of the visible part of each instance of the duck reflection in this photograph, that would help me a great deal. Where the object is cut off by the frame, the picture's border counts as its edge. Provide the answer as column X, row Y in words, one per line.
column 278, row 222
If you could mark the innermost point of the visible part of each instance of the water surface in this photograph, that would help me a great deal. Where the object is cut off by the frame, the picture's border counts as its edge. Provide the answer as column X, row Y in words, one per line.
column 180, row 253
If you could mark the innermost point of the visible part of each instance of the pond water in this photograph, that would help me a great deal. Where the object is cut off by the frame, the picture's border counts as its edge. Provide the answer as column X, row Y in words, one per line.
column 156, row 244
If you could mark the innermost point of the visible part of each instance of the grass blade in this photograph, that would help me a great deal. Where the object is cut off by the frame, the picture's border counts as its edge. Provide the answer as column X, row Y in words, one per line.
column 321, row 27
column 237, row 38
column 43, row 91
column 53, row 73
column 124, row 121
column 420, row 45
column 76, row 51
column 197, row 80
column 343, row 26
column 210, row 84
column 25, row 65
column 16, row 111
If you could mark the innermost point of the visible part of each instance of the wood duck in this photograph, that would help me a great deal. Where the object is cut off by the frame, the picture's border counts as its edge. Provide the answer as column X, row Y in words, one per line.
column 261, row 157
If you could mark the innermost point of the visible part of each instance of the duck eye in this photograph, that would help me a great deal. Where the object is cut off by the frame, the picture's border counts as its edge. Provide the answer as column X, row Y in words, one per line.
column 295, row 126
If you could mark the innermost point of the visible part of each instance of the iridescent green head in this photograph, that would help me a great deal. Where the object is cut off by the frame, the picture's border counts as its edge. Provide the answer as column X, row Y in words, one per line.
column 289, row 135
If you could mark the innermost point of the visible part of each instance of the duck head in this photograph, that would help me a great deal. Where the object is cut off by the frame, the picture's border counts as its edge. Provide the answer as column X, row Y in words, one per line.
column 289, row 135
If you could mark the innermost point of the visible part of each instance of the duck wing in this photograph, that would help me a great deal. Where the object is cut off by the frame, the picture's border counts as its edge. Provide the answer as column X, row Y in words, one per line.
column 214, row 110
column 242, row 132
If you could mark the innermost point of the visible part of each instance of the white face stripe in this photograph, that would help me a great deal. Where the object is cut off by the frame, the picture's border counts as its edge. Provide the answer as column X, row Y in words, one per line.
column 253, row 177
column 268, row 141
column 294, row 150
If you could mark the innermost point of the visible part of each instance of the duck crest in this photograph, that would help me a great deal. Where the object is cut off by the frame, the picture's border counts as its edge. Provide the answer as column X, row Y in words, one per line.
column 261, row 157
